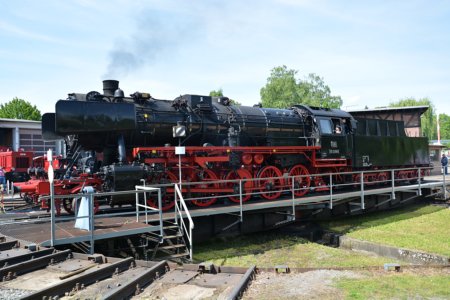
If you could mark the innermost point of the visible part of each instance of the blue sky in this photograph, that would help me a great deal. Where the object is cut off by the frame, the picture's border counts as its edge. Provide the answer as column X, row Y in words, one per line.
column 369, row 52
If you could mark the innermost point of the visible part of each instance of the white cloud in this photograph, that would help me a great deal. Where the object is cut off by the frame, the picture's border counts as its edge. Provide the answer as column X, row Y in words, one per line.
column 17, row 31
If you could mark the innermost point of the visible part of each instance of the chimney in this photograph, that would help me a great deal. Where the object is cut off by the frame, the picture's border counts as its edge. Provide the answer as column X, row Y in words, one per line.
column 109, row 87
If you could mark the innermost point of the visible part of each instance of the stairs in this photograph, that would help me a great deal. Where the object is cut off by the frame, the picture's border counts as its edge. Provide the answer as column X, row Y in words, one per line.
column 82, row 247
column 172, row 247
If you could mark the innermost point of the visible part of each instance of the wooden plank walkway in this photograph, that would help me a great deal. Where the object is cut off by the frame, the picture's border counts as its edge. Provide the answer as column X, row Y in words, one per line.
column 66, row 233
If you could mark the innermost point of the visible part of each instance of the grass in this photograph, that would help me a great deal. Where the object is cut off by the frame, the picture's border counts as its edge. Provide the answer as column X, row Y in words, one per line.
column 419, row 227
column 355, row 223
column 276, row 248
column 396, row 286
column 429, row 233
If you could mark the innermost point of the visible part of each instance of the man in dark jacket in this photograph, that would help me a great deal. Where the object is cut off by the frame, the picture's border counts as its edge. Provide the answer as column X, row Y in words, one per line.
column 444, row 163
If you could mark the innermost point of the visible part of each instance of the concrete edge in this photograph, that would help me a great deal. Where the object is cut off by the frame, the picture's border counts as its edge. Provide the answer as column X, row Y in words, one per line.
column 412, row 256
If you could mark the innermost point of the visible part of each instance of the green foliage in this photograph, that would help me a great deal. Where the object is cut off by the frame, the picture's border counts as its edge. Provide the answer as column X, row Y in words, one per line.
column 283, row 90
column 19, row 109
column 444, row 124
column 397, row 286
column 219, row 93
column 428, row 119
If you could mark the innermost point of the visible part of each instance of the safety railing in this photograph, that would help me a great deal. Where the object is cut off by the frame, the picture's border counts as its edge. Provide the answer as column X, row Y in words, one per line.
column 330, row 183
column 182, row 211
column 87, row 221
column 8, row 188
column 147, row 208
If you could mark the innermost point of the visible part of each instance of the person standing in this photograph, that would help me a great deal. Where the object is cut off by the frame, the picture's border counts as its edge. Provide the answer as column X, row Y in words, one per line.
column 2, row 177
column 444, row 163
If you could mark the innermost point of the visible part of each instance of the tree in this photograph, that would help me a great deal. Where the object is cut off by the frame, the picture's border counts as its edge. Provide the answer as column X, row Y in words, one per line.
column 444, row 124
column 428, row 119
column 219, row 93
column 281, row 89
column 19, row 109
column 284, row 90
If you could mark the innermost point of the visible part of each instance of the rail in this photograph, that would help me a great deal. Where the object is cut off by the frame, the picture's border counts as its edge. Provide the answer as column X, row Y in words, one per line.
column 181, row 209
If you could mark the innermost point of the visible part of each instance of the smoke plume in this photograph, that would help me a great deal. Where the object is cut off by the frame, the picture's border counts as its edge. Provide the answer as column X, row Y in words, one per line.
column 154, row 38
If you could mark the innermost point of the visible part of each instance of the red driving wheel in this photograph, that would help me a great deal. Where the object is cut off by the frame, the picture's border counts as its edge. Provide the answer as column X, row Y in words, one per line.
column 270, row 182
column 302, row 182
column 240, row 174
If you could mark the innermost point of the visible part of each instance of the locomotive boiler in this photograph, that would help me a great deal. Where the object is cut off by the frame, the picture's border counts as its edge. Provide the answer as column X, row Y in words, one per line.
column 127, row 139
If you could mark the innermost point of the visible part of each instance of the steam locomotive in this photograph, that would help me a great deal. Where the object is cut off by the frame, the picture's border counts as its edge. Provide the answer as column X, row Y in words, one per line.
column 114, row 142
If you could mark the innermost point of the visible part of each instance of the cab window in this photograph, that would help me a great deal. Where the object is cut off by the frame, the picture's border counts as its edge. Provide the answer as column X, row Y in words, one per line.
column 325, row 126
column 337, row 126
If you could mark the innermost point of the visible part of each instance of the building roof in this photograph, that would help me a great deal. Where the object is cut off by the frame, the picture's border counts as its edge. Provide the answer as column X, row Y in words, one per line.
column 12, row 123
column 421, row 109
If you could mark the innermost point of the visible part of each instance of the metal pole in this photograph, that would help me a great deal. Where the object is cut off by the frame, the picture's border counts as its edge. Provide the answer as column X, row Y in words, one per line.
column 177, row 209
column 179, row 163
column 91, row 221
column 145, row 205
column 160, row 214
column 191, row 252
column 137, row 207
column 51, row 177
column 331, row 191
column 362, row 191
column 7, row 187
column 420, row 184
column 240, row 199
column 393, row 185
column 52, row 213
column 444, row 184
column 293, row 197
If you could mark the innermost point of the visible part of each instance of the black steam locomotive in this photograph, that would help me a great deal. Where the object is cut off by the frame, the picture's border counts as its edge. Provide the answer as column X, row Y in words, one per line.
column 126, row 139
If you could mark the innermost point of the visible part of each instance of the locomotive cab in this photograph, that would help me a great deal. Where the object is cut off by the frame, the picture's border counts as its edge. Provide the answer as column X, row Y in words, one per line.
column 334, row 131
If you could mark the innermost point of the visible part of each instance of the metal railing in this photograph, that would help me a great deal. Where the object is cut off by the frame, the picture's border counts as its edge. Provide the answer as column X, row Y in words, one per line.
column 290, row 186
column 9, row 188
column 147, row 208
column 180, row 210
column 91, row 216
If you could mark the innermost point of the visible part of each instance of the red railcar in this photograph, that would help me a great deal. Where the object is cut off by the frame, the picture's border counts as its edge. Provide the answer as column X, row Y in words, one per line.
column 18, row 161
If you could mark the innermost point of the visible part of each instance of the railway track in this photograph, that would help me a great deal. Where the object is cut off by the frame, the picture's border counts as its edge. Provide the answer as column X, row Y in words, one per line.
column 45, row 273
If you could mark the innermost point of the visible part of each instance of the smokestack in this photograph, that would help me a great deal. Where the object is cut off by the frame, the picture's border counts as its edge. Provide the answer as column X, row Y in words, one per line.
column 109, row 87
